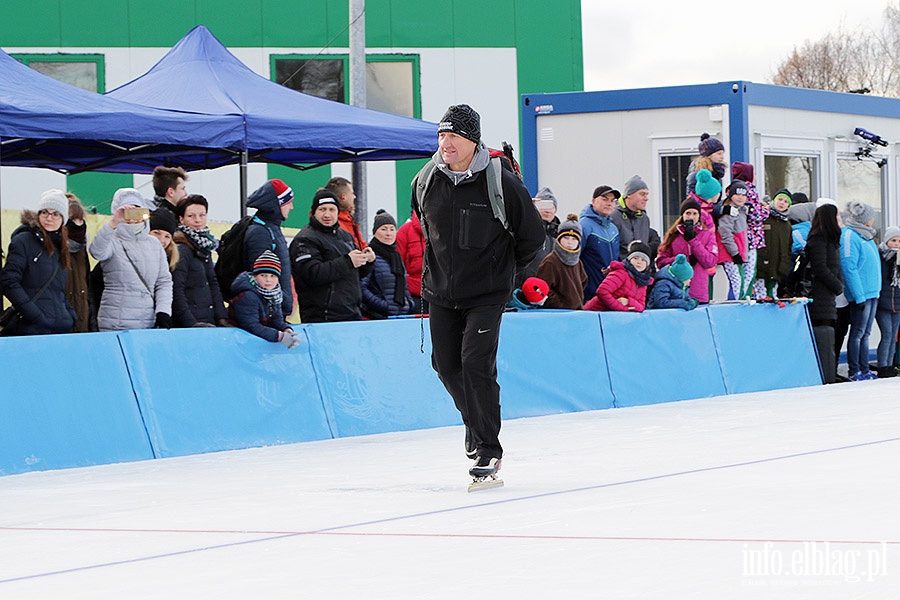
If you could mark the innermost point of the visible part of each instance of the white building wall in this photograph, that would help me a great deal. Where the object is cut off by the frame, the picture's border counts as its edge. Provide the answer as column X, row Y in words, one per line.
column 578, row 152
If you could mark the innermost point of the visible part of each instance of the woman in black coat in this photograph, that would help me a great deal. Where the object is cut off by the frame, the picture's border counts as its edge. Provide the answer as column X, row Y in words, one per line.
column 822, row 252
column 38, row 254
column 196, row 299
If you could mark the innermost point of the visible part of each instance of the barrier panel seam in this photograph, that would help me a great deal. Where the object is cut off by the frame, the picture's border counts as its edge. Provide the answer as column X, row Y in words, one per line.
column 136, row 400
column 612, row 389
column 720, row 357
column 329, row 415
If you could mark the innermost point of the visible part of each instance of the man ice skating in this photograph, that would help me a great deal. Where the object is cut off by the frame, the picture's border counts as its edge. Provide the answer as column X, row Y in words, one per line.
column 471, row 257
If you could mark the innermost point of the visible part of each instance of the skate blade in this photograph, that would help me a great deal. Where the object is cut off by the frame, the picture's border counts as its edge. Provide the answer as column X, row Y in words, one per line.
column 485, row 483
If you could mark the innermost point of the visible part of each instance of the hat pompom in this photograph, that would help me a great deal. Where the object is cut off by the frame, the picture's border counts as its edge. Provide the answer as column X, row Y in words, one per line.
column 535, row 290
column 681, row 269
column 706, row 186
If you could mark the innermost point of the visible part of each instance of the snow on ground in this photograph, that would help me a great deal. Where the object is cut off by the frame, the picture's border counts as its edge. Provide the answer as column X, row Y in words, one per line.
column 783, row 494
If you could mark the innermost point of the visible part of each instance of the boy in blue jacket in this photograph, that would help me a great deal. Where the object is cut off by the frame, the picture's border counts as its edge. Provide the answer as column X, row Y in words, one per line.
column 671, row 286
column 257, row 301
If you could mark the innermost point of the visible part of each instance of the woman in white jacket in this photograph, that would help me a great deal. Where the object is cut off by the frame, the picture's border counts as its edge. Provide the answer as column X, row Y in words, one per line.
column 137, row 292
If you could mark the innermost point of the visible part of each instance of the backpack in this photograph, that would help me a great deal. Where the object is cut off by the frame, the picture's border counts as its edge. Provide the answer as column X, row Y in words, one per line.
column 500, row 159
column 798, row 283
column 231, row 252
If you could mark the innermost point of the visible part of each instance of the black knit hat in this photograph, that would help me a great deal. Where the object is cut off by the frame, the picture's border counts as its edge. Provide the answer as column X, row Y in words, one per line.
column 689, row 203
column 164, row 220
column 382, row 217
column 324, row 196
column 462, row 119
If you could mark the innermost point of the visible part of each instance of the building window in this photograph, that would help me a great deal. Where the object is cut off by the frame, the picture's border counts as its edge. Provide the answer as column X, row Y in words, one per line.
column 796, row 173
column 674, row 182
column 85, row 71
column 392, row 80
column 862, row 181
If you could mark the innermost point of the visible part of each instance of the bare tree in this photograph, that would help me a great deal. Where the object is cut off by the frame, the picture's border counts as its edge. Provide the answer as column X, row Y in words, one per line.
column 845, row 61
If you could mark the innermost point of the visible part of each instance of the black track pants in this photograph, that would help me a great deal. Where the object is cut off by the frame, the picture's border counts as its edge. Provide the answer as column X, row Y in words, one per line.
column 464, row 354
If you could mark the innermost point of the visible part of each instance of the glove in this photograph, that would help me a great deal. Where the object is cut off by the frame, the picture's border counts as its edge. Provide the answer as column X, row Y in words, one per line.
column 691, row 304
column 689, row 231
column 289, row 339
column 736, row 259
column 163, row 321
column 692, row 260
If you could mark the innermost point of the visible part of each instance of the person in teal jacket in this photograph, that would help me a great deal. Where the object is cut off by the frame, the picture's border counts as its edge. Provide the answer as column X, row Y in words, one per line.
column 861, row 266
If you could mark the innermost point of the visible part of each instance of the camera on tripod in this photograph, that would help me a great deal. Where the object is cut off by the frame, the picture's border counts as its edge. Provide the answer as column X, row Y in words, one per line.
column 872, row 140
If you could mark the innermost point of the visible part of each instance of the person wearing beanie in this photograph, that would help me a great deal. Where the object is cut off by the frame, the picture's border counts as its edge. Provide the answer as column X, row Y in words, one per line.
column 562, row 268
column 162, row 226
column 545, row 203
column 273, row 202
column 37, row 267
column 861, row 266
column 197, row 300
column 168, row 187
column 78, row 283
column 887, row 314
column 671, row 286
column 757, row 213
column 465, row 242
column 532, row 294
column 342, row 188
column 692, row 237
column 711, row 157
column 256, row 303
column 707, row 192
column 384, row 290
column 600, row 244
column 137, row 282
column 327, row 266
column 631, row 219
column 774, row 260
column 731, row 233
column 625, row 286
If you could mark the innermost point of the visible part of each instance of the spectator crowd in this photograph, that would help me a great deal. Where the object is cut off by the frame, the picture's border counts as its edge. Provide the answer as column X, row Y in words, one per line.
column 156, row 261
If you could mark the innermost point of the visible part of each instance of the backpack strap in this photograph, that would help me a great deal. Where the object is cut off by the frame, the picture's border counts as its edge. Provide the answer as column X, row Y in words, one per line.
column 422, row 182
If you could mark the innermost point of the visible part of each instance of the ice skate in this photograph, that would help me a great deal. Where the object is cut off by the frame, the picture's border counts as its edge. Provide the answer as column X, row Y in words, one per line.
column 484, row 473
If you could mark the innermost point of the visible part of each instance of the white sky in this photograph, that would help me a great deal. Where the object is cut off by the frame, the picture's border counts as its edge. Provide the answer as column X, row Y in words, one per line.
column 650, row 43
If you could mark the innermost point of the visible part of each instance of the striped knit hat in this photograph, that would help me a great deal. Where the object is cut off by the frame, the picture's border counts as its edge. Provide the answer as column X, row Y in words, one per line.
column 283, row 191
column 267, row 263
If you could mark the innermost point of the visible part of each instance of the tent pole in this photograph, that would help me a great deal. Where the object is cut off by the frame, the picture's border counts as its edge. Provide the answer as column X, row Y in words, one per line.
column 358, row 98
column 243, row 176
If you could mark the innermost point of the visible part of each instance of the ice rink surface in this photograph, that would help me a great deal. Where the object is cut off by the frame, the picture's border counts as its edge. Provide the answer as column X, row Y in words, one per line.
column 784, row 494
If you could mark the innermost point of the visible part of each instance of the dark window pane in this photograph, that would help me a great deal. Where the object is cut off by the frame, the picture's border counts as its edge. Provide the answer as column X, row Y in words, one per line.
column 319, row 77
column 796, row 173
column 674, row 180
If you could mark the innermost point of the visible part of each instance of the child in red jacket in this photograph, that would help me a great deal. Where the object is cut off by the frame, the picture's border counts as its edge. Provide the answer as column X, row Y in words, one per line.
column 625, row 286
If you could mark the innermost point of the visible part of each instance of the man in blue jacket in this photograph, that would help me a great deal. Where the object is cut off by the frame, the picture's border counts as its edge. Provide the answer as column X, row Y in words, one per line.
column 600, row 244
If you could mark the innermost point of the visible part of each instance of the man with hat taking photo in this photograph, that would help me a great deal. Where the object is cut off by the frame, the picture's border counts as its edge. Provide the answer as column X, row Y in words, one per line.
column 470, row 262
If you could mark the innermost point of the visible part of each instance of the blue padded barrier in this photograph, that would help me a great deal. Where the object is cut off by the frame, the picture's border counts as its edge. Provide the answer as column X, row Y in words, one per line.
column 551, row 362
column 764, row 347
column 66, row 401
column 660, row 355
column 211, row 389
column 373, row 378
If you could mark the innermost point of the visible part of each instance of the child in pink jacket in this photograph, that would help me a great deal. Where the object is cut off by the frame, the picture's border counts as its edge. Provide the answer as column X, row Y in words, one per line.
column 625, row 286
column 689, row 235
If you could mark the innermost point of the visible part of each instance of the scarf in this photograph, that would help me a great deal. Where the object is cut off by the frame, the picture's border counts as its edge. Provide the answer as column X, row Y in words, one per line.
column 568, row 257
column 890, row 255
column 272, row 297
column 393, row 259
column 642, row 278
column 77, row 233
column 201, row 239
column 777, row 214
column 862, row 229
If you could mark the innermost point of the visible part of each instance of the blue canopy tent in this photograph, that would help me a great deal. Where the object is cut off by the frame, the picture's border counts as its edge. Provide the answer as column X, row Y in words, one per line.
column 281, row 125
column 47, row 123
